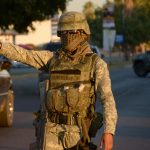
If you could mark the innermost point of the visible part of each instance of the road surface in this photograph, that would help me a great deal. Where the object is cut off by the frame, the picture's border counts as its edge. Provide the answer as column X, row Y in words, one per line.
column 132, row 95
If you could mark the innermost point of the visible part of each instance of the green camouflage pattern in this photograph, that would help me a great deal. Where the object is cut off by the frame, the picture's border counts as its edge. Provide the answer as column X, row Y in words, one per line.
column 35, row 58
column 40, row 60
column 62, row 136
column 70, row 86
column 73, row 21
column 104, row 92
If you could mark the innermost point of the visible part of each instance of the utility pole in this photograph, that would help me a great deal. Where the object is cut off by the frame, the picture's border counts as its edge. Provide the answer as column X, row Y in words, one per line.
column 109, row 31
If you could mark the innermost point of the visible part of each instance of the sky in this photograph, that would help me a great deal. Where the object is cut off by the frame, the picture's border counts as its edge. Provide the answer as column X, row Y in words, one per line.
column 77, row 5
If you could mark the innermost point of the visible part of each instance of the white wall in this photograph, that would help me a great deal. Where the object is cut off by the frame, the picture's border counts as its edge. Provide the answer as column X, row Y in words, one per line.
column 42, row 34
column 77, row 5
column 6, row 38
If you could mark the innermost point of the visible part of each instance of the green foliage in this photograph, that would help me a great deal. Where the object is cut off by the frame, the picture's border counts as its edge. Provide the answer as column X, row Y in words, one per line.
column 94, row 18
column 136, row 27
column 89, row 10
column 96, row 28
column 19, row 14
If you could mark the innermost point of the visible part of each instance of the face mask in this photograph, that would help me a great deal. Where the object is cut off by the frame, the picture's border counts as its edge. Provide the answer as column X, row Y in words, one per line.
column 71, row 39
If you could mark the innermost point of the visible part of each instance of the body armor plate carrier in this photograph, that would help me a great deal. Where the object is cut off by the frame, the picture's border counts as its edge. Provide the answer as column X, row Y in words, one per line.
column 71, row 86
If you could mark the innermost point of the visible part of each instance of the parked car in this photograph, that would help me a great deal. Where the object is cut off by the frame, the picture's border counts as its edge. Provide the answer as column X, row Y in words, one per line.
column 53, row 46
column 141, row 64
column 96, row 50
column 16, row 64
column 6, row 94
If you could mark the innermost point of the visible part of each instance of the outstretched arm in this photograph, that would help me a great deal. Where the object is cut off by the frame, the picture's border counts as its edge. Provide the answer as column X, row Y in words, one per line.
column 35, row 58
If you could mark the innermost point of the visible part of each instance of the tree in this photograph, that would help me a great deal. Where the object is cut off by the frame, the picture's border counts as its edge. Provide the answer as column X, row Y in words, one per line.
column 135, row 27
column 94, row 18
column 96, row 28
column 19, row 14
column 89, row 10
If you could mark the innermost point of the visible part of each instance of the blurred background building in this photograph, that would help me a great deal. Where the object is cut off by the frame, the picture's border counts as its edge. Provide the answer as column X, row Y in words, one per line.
column 46, row 31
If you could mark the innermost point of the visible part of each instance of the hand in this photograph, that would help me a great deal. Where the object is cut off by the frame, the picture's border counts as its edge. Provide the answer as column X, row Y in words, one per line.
column 106, row 141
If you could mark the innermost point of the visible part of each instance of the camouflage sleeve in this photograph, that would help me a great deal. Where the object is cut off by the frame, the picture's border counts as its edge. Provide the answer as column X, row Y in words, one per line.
column 35, row 58
column 103, row 89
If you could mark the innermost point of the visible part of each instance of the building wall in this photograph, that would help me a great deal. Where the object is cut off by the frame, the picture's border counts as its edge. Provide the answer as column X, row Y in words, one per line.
column 41, row 35
column 6, row 38
column 43, row 30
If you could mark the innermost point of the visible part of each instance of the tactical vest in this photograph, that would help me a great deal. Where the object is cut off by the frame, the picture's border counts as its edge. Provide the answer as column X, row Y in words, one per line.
column 71, row 88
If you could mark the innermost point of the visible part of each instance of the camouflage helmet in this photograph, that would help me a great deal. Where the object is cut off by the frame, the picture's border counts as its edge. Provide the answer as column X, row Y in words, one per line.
column 73, row 21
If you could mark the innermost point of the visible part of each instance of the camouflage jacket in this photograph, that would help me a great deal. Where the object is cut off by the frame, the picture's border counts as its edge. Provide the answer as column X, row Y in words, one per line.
column 40, row 60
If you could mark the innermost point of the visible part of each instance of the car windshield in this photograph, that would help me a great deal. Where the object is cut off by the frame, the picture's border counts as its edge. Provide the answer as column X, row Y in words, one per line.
column 52, row 46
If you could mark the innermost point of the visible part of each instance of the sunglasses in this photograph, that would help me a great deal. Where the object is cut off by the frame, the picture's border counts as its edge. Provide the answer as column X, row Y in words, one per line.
column 59, row 33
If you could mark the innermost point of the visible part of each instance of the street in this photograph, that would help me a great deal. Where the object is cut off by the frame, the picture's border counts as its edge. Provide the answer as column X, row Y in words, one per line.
column 133, row 103
column 132, row 95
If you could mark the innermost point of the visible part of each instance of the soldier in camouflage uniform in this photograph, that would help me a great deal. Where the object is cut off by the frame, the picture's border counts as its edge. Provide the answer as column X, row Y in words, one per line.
column 76, row 74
